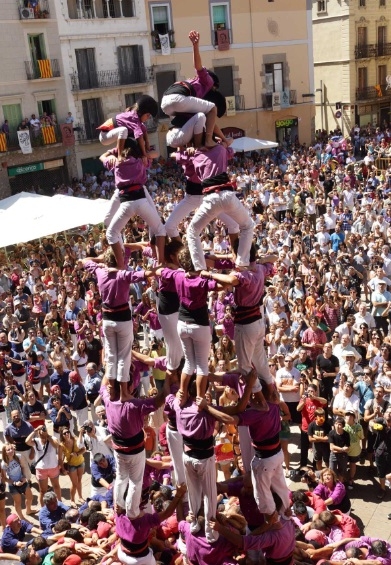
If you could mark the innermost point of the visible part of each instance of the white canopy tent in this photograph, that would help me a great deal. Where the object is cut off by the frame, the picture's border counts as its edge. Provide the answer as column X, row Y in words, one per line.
column 251, row 144
column 26, row 216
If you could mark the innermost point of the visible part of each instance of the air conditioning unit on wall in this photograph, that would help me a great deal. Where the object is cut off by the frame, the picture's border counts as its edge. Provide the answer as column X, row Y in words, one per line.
column 26, row 13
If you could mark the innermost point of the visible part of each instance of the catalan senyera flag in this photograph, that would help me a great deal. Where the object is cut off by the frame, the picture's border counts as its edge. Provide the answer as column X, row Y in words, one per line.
column 45, row 68
column 49, row 135
column 3, row 143
column 378, row 91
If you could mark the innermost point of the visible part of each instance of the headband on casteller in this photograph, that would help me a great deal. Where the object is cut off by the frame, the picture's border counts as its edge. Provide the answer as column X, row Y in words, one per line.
column 147, row 105
column 218, row 100
column 216, row 80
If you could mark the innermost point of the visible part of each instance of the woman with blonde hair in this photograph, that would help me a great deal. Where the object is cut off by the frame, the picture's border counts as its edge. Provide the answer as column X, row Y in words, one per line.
column 13, row 473
column 71, row 462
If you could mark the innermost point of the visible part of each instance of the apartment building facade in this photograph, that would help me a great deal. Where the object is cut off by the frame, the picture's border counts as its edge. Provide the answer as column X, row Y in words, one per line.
column 32, row 82
column 352, row 63
column 261, row 51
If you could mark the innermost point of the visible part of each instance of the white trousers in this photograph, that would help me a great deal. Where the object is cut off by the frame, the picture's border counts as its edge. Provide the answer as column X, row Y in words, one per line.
column 174, row 351
column 145, row 385
column 156, row 334
column 121, row 212
column 189, row 203
column 98, row 490
column 267, row 475
column 129, row 473
column 174, row 103
column 175, row 445
column 213, row 205
column 201, row 484
column 118, row 349
column 250, row 349
column 129, row 560
column 246, row 448
column 195, row 341
column 178, row 137
column 109, row 137
column 81, row 416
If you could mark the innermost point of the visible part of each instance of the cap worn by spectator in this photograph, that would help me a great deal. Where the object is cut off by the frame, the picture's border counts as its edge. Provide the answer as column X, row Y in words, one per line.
column 72, row 560
column 317, row 536
column 11, row 518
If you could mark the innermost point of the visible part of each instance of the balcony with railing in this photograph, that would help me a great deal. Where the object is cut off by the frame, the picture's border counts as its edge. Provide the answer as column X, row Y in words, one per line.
column 47, row 135
column 287, row 98
column 376, row 92
column 97, row 9
column 372, row 50
column 156, row 46
column 110, row 79
column 221, row 39
column 42, row 69
column 28, row 12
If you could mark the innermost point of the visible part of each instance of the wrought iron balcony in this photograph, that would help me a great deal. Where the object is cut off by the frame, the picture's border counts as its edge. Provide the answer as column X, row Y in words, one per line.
column 373, row 92
column 372, row 50
column 42, row 69
column 39, row 12
column 107, row 9
column 40, row 138
column 112, row 78
column 156, row 40
column 288, row 98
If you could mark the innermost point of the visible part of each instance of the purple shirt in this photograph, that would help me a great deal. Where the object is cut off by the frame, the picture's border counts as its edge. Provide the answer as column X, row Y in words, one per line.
column 211, row 162
column 249, row 291
column 137, row 530
column 262, row 425
column 113, row 285
column 275, row 544
column 193, row 423
column 126, row 419
column 153, row 320
column 201, row 83
column 131, row 121
column 200, row 551
column 192, row 292
column 247, row 503
column 130, row 171
column 337, row 494
column 186, row 162
column 232, row 380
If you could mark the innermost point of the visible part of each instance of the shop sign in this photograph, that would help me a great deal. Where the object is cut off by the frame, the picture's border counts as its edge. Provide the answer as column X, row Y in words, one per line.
column 25, row 169
column 287, row 123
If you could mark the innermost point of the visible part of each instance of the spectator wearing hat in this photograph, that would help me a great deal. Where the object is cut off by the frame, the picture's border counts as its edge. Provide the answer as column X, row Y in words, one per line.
column 346, row 400
column 340, row 350
column 381, row 302
column 14, row 534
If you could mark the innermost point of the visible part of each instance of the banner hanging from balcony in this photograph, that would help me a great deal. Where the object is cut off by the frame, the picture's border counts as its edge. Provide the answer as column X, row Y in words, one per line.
column 68, row 135
column 49, row 135
column 24, row 141
column 165, row 44
column 45, row 68
column 222, row 39
column 3, row 142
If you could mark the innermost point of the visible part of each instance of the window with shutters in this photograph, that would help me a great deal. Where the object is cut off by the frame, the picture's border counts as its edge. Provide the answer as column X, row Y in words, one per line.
column 322, row 6
column 381, row 40
column 164, row 79
column 131, row 98
column 226, row 80
column 362, row 3
column 131, row 64
column 93, row 117
column 13, row 113
column 382, row 74
column 86, row 68
column 362, row 77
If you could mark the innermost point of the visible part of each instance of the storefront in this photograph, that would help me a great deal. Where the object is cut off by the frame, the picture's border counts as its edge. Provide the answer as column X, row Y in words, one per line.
column 287, row 130
column 42, row 176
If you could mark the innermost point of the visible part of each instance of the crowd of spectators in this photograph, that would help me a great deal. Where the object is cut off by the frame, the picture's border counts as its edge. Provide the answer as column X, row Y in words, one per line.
column 325, row 212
